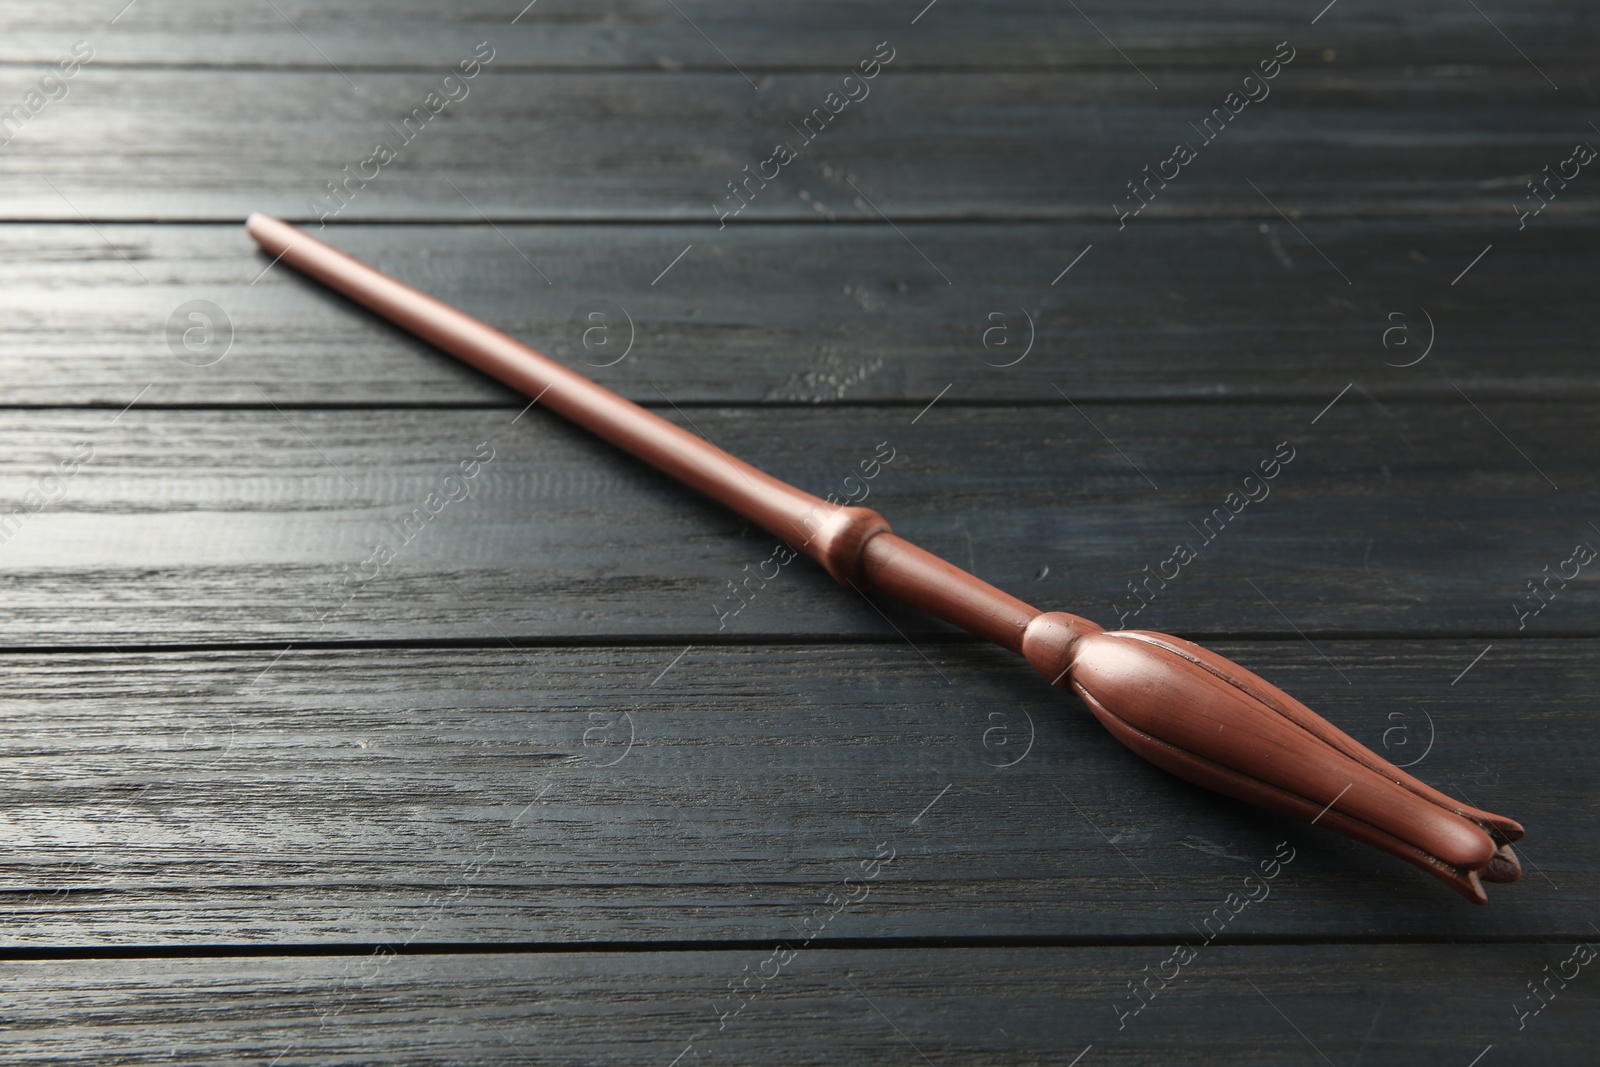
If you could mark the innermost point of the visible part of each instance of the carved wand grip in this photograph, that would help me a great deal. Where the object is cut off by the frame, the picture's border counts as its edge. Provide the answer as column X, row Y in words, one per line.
column 1187, row 710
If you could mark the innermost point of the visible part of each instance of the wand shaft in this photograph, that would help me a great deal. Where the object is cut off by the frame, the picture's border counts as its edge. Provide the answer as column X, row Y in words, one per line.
column 854, row 544
column 776, row 505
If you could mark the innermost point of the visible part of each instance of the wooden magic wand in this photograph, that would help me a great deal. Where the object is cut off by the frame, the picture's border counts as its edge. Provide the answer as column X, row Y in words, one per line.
column 1187, row 710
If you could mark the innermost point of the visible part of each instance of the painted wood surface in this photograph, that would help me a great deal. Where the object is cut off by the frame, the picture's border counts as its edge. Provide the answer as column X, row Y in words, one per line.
column 130, row 144
column 802, row 314
column 555, row 759
column 714, row 34
column 266, row 524
column 1278, row 1004
column 640, row 793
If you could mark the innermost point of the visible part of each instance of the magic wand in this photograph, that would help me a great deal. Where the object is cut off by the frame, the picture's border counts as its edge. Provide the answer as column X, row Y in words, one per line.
column 1187, row 710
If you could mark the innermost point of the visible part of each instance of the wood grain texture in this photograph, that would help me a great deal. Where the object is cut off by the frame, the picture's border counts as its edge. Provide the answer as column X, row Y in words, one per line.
column 570, row 33
column 802, row 314
column 661, row 794
column 131, row 144
column 1277, row 1005
column 202, row 755
column 206, row 526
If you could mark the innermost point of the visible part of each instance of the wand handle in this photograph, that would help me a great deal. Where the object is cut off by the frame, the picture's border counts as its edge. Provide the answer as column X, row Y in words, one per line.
column 1183, row 708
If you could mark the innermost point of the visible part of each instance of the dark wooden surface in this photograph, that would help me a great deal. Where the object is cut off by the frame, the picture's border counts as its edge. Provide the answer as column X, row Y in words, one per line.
column 535, row 794
column 957, row 145
column 817, row 314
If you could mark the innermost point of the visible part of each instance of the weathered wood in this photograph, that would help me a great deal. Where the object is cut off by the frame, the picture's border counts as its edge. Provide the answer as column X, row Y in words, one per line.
column 791, row 313
column 271, row 783
column 633, row 793
column 207, row 526
column 825, row 33
column 132, row 144
column 1426, row 1005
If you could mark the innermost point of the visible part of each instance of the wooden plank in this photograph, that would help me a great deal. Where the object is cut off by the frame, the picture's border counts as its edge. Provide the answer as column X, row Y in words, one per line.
column 826, row 33
column 791, row 313
column 1427, row 1005
column 665, row 794
column 131, row 144
column 215, row 760
column 201, row 526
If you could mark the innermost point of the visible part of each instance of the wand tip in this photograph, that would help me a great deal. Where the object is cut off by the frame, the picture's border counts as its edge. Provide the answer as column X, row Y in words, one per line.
column 258, row 224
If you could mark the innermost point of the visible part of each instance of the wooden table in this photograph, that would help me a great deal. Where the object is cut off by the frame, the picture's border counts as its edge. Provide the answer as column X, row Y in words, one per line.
column 546, row 787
